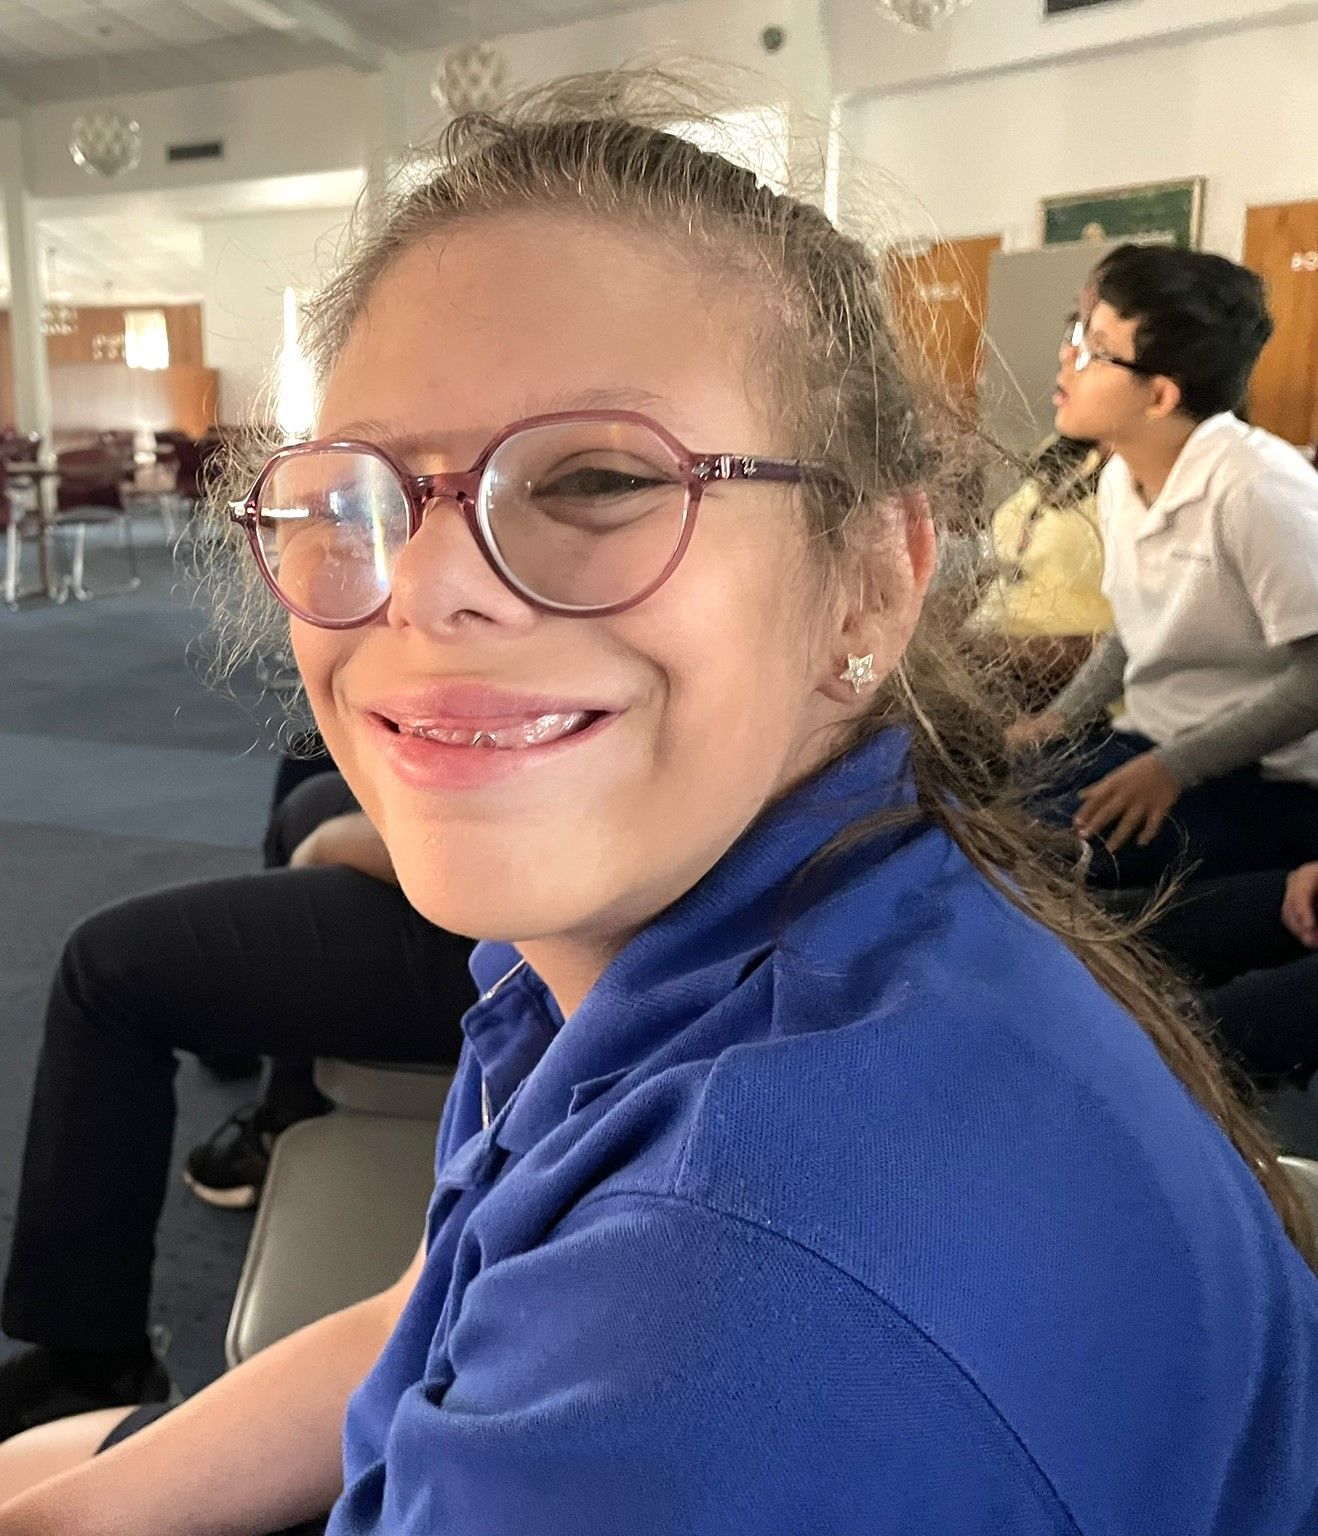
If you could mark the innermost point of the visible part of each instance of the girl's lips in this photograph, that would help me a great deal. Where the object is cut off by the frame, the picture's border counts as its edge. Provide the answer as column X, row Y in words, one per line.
column 441, row 759
column 480, row 706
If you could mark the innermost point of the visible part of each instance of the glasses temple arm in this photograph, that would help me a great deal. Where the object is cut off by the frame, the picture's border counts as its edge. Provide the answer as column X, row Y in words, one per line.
column 731, row 466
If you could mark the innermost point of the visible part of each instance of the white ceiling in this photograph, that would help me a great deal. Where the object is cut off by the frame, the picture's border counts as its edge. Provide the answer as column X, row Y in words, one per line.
column 408, row 24
column 59, row 50
column 148, row 247
column 114, row 259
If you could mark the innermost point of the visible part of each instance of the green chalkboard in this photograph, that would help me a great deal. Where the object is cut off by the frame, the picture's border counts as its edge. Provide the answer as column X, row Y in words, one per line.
column 1167, row 212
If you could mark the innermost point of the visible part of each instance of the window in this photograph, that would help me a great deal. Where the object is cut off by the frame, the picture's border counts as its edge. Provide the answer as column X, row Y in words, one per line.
column 295, row 408
column 146, row 338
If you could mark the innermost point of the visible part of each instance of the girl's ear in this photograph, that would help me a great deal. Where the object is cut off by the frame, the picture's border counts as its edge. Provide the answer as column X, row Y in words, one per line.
column 881, row 602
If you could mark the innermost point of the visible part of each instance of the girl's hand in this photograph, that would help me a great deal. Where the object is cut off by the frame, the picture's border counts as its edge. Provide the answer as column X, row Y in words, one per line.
column 1299, row 911
column 350, row 841
column 1137, row 797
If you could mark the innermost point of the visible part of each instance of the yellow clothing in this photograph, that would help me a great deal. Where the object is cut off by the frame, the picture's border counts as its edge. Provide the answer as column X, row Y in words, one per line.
column 1051, row 569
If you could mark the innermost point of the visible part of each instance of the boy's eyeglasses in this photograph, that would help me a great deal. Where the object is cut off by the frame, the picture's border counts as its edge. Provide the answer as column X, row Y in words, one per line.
column 583, row 514
column 1073, row 339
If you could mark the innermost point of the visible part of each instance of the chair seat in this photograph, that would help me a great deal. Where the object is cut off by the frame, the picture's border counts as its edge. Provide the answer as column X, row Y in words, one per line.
column 413, row 1092
column 341, row 1215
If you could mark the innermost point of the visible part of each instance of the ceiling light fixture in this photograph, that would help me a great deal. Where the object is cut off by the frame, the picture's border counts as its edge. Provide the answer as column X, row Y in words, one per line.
column 919, row 15
column 471, row 77
column 58, row 317
column 105, row 141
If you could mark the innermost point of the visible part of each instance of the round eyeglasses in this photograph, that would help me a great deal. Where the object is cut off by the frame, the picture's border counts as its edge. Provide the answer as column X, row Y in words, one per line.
column 583, row 514
column 1075, row 340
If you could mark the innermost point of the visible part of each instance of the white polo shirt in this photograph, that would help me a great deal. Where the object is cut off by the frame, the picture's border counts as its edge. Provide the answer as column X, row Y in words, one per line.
column 1209, row 583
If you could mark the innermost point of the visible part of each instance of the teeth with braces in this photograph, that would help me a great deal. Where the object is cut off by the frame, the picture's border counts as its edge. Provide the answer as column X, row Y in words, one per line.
column 527, row 733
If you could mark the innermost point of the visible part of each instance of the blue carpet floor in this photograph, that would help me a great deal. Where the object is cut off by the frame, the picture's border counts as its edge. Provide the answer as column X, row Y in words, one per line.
column 120, row 772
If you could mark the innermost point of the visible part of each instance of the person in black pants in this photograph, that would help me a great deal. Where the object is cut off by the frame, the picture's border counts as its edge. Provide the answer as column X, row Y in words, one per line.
column 321, row 825
column 1248, row 944
column 315, row 960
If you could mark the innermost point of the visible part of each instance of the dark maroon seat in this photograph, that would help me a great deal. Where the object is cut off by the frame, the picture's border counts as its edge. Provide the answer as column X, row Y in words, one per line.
column 89, row 492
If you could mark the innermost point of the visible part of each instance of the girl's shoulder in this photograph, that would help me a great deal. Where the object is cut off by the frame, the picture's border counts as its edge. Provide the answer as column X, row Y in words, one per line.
column 952, row 1113
column 942, row 1075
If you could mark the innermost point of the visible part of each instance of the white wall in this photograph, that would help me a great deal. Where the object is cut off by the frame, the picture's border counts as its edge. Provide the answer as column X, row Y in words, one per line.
column 249, row 261
column 275, row 126
column 995, row 35
column 724, row 31
column 978, row 120
column 332, row 119
column 1240, row 110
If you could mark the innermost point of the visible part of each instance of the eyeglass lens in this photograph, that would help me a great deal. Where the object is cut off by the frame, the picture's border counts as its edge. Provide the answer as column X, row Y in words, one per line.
column 575, row 514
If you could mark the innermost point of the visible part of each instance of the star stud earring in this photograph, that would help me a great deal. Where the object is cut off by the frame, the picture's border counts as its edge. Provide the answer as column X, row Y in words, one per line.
column 860, row 671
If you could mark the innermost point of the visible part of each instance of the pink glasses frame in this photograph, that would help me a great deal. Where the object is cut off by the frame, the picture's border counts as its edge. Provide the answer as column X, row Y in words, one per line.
column 464, row 488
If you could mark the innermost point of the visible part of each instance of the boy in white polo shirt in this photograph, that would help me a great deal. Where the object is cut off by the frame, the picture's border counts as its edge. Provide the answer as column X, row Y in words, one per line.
column 1210, row 533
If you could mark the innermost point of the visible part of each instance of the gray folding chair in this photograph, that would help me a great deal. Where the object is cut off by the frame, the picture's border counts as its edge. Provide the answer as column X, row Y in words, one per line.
column 344, row 1203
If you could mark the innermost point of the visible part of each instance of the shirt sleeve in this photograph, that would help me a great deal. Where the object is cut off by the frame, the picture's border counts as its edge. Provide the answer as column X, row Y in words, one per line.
column 1095, row 686
column 658, row 1367
column 1270, row 530
column 1283, row 712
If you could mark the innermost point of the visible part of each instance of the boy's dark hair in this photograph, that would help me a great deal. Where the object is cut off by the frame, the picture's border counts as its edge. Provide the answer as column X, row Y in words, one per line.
column 1202, row 320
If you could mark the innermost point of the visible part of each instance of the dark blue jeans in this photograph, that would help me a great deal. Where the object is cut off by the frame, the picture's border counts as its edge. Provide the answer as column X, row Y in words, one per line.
column 1232, row 825
column 1258, row 985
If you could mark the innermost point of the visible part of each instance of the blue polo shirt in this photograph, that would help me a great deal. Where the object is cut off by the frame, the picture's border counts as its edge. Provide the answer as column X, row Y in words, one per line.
column 847, row 1206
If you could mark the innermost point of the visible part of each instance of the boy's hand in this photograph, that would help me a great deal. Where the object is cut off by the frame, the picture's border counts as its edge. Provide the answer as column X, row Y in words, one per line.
column 1299, row 911
column 348, row 840
column 1135, row 800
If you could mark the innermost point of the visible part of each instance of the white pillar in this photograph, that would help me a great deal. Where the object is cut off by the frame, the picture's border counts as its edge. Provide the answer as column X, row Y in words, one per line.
column 32, row 407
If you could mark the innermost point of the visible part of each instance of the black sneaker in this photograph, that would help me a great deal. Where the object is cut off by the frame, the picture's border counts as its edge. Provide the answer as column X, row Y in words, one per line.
column 229, row 1169
column 41, row 1385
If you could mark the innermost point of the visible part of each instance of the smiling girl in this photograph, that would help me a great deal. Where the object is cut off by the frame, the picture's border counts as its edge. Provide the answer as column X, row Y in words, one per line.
column 797, row 1175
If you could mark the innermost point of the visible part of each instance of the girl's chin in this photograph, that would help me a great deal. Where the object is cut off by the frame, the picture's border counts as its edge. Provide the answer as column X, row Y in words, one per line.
column 478, row 906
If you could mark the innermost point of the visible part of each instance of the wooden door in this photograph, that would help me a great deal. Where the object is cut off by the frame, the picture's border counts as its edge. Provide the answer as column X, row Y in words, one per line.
column 99, row 337
column 1281, row 245
column 941, row 294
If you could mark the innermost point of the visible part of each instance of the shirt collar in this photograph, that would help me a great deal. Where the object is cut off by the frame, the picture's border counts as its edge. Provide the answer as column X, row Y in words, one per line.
column 1194, row 468
column 511, row 1024
column 672, row 973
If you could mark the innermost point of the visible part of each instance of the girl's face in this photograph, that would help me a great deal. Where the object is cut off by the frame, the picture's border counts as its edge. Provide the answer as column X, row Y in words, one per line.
column 707, row 700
